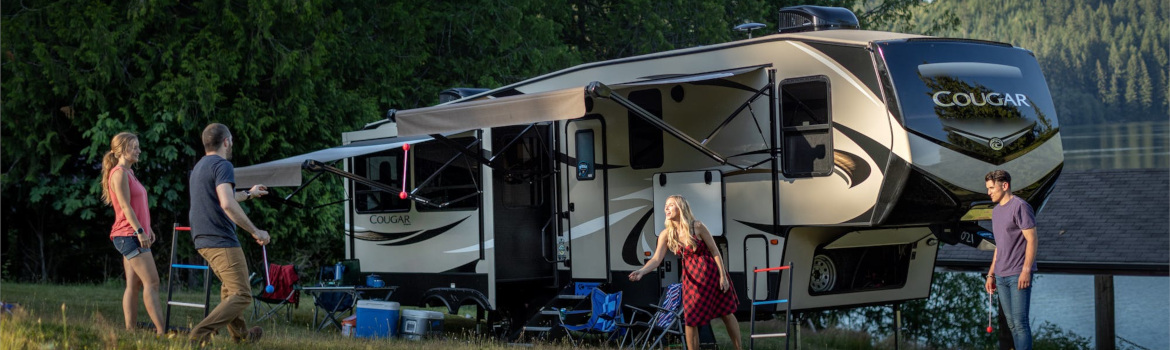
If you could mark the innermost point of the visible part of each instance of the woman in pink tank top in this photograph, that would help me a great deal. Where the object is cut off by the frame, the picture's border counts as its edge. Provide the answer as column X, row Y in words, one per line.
column 131, row 233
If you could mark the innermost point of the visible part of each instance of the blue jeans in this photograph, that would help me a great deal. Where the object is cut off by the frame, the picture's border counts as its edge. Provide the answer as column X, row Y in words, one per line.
column 1015, row 303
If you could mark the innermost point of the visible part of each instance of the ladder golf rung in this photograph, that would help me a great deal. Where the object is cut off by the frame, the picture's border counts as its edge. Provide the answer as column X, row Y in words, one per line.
column 771, row 335
column 777, row 268
column 179, row 303
column 766, row 302
column 194, row 267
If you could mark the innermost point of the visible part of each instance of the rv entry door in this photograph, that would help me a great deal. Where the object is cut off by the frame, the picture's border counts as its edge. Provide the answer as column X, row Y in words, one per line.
column 587, row 199
column 703, row 190
column 522, row 203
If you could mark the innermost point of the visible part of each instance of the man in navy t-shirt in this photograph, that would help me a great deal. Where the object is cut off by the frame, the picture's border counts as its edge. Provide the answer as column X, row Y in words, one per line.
column 215, row 212
column 1014, row 225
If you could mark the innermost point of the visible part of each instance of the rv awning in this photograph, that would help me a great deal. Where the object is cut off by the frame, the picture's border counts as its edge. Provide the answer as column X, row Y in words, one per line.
column 512, row 110
column 527, row 108
column 287, row 172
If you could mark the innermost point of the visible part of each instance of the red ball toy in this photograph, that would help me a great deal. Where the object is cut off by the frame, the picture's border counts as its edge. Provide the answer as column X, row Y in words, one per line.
column 406, row 147
column 402, row 195
column 988, row 329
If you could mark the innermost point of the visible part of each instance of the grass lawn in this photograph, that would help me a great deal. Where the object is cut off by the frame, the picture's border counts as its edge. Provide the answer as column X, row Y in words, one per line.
column 90, row 317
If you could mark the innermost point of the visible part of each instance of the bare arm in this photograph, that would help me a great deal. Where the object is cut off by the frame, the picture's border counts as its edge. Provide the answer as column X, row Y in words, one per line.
column 231, row 206
column 122, row 192
column 655, row 260
column 989, row 285
column 705, row 234
column 1029, row 257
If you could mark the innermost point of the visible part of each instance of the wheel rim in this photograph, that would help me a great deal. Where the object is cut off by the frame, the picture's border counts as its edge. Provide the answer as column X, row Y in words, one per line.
column 824, row 274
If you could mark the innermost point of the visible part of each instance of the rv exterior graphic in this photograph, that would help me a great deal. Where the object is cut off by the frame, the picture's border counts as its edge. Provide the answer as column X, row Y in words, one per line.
column 849, row 153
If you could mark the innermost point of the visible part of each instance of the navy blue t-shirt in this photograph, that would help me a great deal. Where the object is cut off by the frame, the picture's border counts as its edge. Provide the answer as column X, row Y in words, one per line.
column 210, row 225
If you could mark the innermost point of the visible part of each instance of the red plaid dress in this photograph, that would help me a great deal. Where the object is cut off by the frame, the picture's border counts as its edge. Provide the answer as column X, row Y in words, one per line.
column 702, row 300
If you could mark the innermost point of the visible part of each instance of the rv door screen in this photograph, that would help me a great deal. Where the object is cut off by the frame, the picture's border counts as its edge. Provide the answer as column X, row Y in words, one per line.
column 806, row 127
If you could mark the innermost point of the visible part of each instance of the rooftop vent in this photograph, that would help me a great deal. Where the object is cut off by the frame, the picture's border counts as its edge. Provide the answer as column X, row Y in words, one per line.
column 807, row 18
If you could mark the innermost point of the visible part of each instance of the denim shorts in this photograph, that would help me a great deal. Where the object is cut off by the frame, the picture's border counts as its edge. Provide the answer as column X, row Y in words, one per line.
column 129, row 247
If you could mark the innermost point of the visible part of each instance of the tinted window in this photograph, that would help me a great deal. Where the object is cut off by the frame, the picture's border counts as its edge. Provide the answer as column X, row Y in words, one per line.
column 384, row 167
column 805, row 117
column 585, row 160
column 645, row 139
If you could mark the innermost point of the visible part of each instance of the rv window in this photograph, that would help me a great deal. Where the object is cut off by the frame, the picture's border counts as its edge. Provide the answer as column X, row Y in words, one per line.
column 459, row 180
column 806, row 122
column 525, row 165
column 645, row 139
column 585, row 162
column 383, row 167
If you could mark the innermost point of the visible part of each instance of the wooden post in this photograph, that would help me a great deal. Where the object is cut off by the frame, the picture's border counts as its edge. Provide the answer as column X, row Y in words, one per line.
column 1103, row 293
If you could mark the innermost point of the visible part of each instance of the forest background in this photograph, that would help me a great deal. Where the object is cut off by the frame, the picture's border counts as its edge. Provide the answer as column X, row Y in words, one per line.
column 288, row 77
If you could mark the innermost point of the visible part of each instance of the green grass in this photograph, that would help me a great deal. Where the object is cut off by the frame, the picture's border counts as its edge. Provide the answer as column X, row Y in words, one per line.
column 90, row 317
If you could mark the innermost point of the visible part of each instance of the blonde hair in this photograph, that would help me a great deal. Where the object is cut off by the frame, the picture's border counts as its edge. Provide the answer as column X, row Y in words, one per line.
column 119, row 146
column 678, row 235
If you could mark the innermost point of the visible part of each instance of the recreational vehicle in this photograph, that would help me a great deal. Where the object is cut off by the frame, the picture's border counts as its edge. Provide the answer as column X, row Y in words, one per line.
column 849, row 154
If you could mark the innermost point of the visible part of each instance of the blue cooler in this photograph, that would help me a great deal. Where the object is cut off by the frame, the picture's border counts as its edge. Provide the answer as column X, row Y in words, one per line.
column 377, row 319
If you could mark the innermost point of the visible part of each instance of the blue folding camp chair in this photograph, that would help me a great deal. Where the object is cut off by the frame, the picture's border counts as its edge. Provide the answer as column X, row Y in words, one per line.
column 666, row 319
column 604, row 316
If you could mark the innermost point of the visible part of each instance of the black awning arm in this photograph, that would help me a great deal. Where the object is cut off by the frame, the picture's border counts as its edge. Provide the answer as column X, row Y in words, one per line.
column 316, row 166
column 510, row 143
column 301, row 187
column 442, row 168
column 465, row 150
column 747, row 104
column 598, row 90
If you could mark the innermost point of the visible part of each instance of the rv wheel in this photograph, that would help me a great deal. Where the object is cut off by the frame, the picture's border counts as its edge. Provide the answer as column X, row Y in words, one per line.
column 824, row 274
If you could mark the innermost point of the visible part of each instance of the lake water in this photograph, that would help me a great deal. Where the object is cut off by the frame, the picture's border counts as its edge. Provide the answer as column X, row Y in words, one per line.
column 1142, row 307
column 1116, row 146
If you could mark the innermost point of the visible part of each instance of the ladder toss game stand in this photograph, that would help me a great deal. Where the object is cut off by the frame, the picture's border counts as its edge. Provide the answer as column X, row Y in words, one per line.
column 787, row 315
column 171, row 278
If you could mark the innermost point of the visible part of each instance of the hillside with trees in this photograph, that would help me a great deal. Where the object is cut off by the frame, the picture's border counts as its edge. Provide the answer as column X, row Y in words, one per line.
column 1106, row 61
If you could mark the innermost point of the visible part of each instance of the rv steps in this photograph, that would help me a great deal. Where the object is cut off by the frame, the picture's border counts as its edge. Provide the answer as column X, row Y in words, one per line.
column 544, row 324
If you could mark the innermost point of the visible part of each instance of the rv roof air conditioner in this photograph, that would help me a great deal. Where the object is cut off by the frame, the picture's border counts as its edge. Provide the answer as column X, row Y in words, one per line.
column 807, row 18
column 453, row 94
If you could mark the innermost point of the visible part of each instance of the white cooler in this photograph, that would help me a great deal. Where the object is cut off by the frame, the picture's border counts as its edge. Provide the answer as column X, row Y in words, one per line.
column 417, row 324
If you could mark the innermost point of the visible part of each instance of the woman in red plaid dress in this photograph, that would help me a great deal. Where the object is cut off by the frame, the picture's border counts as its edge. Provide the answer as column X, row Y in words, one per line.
column 707, row 289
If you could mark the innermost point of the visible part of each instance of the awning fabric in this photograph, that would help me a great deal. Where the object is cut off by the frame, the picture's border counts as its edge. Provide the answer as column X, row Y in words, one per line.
column 287, row 172
column 527, row 108
column 512, row 110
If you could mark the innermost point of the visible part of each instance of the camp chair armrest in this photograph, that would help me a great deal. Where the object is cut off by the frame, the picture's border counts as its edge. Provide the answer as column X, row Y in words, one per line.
column 659, row 308
column 638, row 311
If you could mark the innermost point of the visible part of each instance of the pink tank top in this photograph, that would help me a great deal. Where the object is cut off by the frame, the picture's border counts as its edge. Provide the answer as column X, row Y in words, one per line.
column 122, row 227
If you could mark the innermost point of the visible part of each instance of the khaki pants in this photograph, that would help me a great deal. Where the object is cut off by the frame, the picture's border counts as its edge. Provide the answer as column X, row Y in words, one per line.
column 234, row 297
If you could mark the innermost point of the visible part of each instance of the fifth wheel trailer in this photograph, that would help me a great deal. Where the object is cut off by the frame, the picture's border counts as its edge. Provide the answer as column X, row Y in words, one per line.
column 848, row 153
